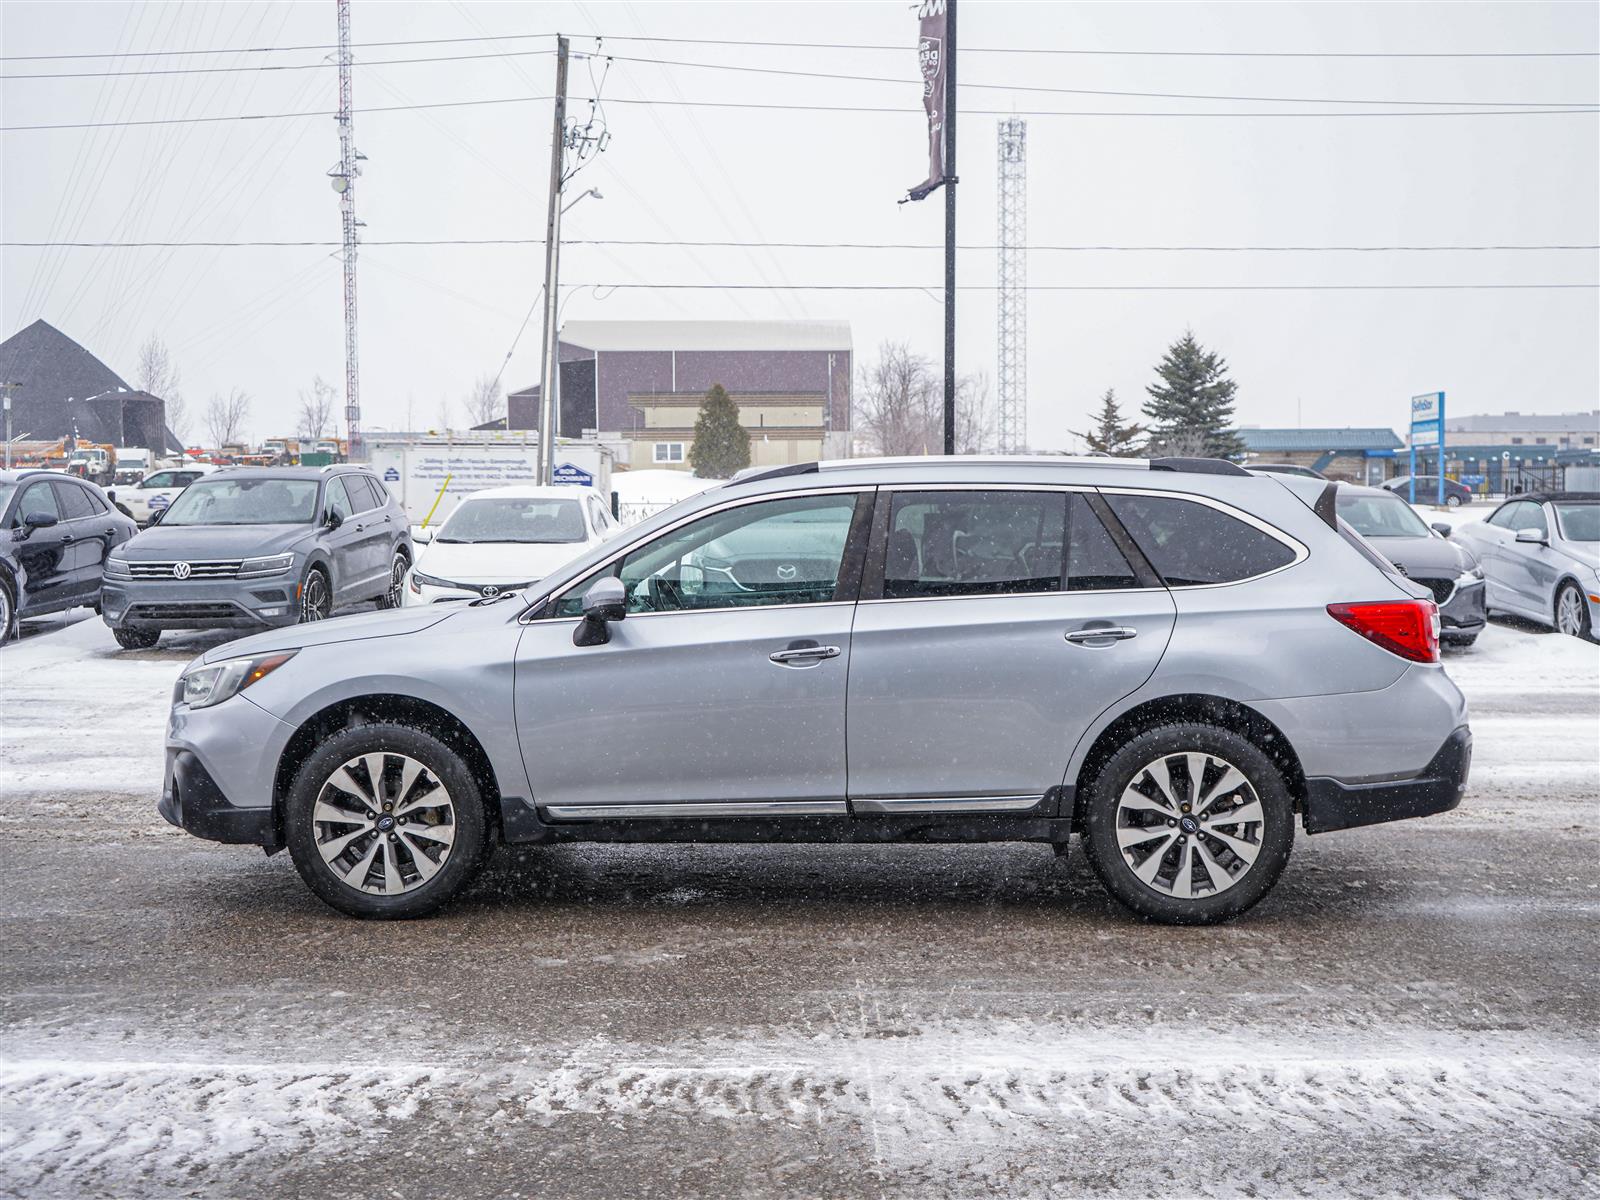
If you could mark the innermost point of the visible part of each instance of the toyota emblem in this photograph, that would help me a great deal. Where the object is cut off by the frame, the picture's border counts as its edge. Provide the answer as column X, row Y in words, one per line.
column 786, row 571
column 491, row 590
column 181, row 570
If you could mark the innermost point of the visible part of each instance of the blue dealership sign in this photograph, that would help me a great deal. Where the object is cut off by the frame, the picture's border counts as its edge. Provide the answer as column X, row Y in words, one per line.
column 567, row 473
column 1427, row 429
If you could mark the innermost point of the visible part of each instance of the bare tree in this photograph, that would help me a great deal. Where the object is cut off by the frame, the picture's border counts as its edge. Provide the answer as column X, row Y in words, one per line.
column 446, row 413
column 484, row 402
column 899, row 406
column 156, row 373
column 316, row 408
column 225, row 416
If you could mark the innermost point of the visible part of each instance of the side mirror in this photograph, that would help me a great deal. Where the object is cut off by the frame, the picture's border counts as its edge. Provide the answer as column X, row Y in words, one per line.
column 334, row 520
column 155, row 516
column 37, row 520
column 1532, row 537
column 1440, row 528
column 604, row 602
column 422, row 537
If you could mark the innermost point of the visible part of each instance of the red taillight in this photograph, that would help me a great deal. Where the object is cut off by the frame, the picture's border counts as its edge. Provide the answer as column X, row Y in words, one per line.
column 1409, row 628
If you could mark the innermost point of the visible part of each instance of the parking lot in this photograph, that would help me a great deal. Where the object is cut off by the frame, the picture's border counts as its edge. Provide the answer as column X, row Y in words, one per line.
column 1414, row 1002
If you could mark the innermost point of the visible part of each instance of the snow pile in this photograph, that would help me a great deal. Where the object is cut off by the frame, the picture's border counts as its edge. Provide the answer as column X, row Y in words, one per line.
column 642, row 494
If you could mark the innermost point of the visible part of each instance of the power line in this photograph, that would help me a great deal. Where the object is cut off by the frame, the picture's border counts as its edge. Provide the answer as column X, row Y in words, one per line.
column 890, row 48
column 841, row 108
column 1068, row 91
column 1098, row 287
column 267, row 67
column 720, row 244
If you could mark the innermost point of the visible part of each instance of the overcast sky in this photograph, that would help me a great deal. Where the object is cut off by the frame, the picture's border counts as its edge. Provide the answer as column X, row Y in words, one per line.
column 433, row 318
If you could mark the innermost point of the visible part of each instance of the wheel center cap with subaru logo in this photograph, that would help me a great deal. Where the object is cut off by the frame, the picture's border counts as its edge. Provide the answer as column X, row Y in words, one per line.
column 385, row 823
column 1189, row 825
column 181, row 570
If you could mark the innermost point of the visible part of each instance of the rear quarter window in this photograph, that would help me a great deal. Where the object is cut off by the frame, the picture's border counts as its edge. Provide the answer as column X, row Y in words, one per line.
column 1190, row 544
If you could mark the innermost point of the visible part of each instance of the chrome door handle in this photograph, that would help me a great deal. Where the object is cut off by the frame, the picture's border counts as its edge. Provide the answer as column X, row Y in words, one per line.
column 1109, row 633
column 804, row 654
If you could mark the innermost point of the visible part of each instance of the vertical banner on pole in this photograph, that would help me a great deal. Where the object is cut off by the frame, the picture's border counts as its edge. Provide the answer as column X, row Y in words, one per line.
column 1427, row 429
column 933, row 46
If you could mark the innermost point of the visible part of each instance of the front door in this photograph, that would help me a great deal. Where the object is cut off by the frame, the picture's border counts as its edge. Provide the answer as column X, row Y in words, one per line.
column 45, row 553
column 724, row 687
column 984, row 652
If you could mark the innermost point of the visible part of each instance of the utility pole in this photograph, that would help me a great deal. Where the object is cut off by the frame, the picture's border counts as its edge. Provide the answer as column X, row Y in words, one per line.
column 344, row 182
column 549, row 376
column 7, row 388
column 1011, row 340
column 950, row 232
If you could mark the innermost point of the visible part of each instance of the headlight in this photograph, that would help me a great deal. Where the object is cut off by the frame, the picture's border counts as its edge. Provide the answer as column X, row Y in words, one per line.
column 418, row 578
column 201, row 687
column 255, row 568
column 117, row 568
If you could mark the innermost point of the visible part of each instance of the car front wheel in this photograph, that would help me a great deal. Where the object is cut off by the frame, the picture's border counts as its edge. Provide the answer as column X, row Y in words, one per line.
column 316, row 596
column 1572, row 612
column 397, row 581
column 386, row 821
column 1452, row 501
column 1188, row 824
column 136, row 639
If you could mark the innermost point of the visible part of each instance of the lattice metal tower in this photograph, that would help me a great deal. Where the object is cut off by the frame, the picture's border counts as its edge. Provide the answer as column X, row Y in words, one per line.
column 1011, row 349
column 344, row 182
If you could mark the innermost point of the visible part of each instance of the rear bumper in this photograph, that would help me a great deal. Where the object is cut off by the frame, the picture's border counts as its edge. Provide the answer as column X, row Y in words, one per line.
column 192, row 800
column 1333, row 805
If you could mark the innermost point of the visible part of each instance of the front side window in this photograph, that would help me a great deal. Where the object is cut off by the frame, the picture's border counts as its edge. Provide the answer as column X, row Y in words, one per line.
column 1504, row 515
column 37, row 498
column 1381, row 516
column 514, row 519
column 245, row 502
column 787, row 551
column 1189, row 543
column 961, row 543
column 1579, row 521
column 339, row 499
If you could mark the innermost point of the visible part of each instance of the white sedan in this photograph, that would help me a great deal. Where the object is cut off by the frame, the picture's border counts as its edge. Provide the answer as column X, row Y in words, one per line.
column 506, row 538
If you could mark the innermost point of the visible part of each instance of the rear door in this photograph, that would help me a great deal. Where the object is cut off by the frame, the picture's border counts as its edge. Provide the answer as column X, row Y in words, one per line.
column 995, row 625
column 377, row 534
column 344, row 543
column 88, row 533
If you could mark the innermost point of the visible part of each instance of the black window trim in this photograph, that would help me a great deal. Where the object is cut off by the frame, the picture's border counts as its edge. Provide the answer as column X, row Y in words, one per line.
column 850, row 565
column 1297, row 547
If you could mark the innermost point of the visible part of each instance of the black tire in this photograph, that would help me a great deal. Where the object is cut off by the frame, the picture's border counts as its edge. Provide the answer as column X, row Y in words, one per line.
column 1571, row 594
column 1272, row 837
column 470, row 828
column 8, row 610
column 398, row 565
column 315, row 604
column 136, row 639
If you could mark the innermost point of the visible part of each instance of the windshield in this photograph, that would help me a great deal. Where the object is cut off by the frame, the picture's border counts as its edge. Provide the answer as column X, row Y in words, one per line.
column 245, row 502
column 1580, row 522
column 515, row 519
column 1381, row 516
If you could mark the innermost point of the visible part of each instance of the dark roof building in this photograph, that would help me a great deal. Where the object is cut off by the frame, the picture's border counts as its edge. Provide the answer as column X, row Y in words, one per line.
column 63, row 390
column 1355, row 454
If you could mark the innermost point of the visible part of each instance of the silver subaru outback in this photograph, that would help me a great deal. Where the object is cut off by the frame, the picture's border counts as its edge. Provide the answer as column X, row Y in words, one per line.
column 1179, row 661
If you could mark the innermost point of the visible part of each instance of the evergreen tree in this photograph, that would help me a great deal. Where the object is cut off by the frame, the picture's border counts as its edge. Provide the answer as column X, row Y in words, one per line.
column 1194, row 400
column 721, row 445
column 1110, row 435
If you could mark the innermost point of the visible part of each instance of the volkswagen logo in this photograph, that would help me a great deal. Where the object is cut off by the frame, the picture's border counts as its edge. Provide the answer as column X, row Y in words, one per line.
column 786, row 571
column 181, row 570
column 491, row 590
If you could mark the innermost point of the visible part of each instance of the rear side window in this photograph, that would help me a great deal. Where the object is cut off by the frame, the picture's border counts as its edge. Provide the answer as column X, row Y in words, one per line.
column 961, row 543
column 1094, row 564
column 1190, row 543
column 361, row 491
column 74, row 502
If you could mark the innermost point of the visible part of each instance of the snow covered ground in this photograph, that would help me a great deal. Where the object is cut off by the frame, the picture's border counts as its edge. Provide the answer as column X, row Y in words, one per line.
column 1413, row 1010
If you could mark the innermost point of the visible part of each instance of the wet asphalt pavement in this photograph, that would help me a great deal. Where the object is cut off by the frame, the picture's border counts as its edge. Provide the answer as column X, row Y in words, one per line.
column 1412, row 1011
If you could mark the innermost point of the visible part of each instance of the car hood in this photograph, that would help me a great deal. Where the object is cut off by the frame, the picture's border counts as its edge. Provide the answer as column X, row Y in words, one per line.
column 393, row 622
column 215, row 541
column 495, row 562
column 1424, row 555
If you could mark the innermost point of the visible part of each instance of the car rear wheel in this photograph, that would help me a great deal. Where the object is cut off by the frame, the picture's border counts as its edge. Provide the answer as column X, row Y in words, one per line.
column 136, row 639
column 1188, row 824
column 316, row 596
column 386, row 821
column 1452, row 501
column 1572, row 612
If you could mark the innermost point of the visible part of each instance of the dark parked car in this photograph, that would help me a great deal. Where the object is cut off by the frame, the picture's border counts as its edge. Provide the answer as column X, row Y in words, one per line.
column 55, row 533
column 258, row 547
column 1455, row 494
column 1450, row 571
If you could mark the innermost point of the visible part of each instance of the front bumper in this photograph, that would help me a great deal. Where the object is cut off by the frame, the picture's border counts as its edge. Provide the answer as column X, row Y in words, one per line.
column 192, row 800
column 222, row 764
column 1465, row 613
column 266, row 603
column 1333, row 805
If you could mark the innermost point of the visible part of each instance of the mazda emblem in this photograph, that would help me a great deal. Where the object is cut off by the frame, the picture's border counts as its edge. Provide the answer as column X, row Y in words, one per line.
column 786, row 571
column 181, row 570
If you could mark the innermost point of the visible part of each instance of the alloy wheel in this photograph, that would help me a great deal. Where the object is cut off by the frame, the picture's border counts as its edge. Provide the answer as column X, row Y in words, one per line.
column 384, row 823
column 397, row 581
column 5, row 613
column 1189, row 825
column 314, row 600
column 1569, row 612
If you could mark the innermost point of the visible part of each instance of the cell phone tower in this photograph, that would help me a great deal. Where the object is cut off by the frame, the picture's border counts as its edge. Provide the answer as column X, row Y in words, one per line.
column 344, row 182
column 1011, row 349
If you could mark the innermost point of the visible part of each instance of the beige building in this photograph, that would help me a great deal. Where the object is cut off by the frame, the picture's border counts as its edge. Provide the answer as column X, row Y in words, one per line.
column 785, row 427
column 1553, row 431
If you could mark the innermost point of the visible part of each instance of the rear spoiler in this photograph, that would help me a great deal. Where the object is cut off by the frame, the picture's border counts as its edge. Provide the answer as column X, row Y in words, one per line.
column 1327, row 506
